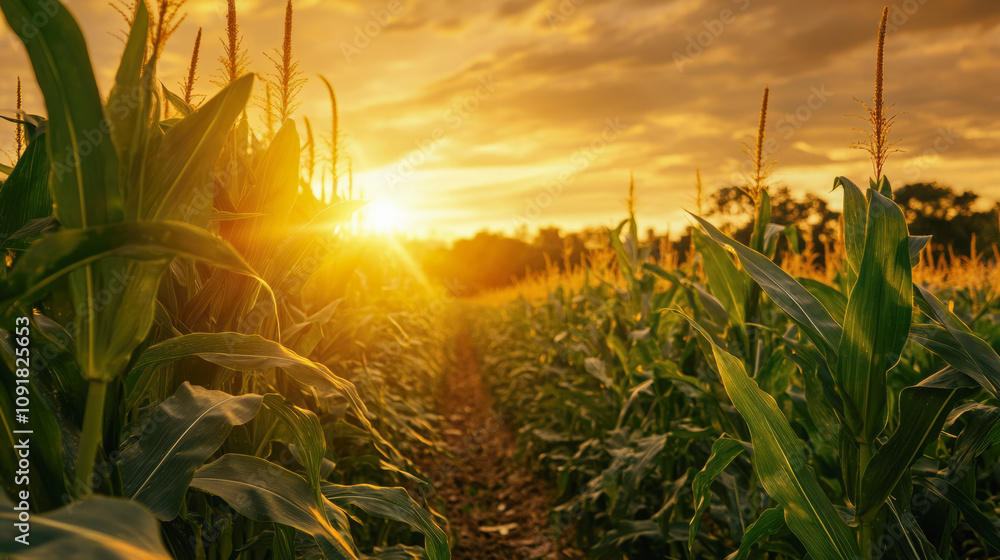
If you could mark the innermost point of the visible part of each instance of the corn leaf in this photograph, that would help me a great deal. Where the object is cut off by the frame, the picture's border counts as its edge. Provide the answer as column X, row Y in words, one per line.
column 160, row 459
column 274, row 189
column 248, row 352
column 724, row 450
column 726, row 282
column 289, row 259
column 855, row 220
column 65, row 251
column 985, row 527
column 24, row 196
column 824, row 402
column 834, row 301
column 909, row 542
column 180, row 181
column 283, row 545
column 395, row 504
column 267, row 492
column 178, row 102
column 130, row 108
column 956, row 344
column 980, row 433
column 95, row 527
column 789, row 295
column 304, row 428
column 923, row 409
column 84, row 164
column 917, row 244
column 878, row 316
column 779, row 461
column 773, row 233
column 771, row 521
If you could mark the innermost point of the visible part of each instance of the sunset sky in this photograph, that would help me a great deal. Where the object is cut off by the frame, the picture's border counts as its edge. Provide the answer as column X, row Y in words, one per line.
column 470, row 114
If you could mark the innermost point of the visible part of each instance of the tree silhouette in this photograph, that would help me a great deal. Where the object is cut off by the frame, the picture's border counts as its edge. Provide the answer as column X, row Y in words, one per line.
column 949, row 217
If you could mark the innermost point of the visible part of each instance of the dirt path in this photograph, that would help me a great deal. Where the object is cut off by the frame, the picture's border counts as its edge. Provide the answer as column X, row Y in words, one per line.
column 497, row 509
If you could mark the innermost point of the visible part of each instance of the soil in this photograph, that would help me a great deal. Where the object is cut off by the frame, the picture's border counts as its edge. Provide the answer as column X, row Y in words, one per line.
column 497, row 508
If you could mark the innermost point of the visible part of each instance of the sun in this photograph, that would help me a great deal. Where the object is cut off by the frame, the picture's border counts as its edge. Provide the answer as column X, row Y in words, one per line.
column 383, row 215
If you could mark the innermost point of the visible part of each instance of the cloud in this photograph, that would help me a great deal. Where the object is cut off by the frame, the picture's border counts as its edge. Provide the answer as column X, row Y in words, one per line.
column 685, row 75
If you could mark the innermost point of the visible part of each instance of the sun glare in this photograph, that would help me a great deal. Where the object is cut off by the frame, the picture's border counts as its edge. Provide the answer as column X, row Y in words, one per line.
column 384, row 216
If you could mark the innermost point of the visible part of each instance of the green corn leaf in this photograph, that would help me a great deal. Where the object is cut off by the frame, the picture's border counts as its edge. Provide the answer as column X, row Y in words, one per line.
column 762, row 218
column 770, row 522
column 31, row 232
column 397, row 552
column 598, row 370
column 624, row 258
column 980, row 433
column 909, row 541
column 304, row 428
column 956, row 344
column 275, row 189
column 131, row 106
column 726, row 282
column 289, row 260
column 724, row 450
column 779, row 461
column 160, row 459
column 985, row 527
column 923, row 409
column 83, row 176
column 878, row 316
column 917, row 244
column 283, row 544
column 178, row 102
column 883, row 187
column 850, row 464
column 267, row 492
column 84, row 163
column 67, row 250
column 713, row 307
column 180, row 180
column 395, row 504
column 248, row 352
column 644, row 458
column 825, row 403
column 774, row 232
column 834, row 301
column 127, row 292
column 855, row 220
column 789, row 295
column 24, row 196
column 96, row 527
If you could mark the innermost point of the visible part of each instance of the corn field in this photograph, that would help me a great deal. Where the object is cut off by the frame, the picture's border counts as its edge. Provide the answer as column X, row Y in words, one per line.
column 218, row 368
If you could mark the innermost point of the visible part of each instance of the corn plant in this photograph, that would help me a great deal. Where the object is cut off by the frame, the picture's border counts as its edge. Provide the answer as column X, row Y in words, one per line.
column 112, row 206
column 727, row 407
